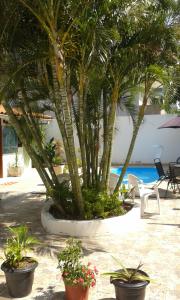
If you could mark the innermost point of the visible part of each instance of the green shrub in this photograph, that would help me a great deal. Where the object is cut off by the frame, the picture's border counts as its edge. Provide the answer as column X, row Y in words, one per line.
column 63, row 195
column 96, row 204
column 101, row 205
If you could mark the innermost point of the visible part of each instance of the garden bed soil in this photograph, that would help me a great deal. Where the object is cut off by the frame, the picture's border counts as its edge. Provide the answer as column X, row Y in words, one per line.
column 26, row 263
column 127, row 206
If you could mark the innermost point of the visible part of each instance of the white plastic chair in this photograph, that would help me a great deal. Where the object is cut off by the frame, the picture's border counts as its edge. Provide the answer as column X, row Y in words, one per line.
column 143, row 191
column 113, row 179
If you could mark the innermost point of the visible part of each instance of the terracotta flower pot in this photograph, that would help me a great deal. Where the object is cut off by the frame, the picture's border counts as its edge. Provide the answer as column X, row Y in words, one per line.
column 76, row 292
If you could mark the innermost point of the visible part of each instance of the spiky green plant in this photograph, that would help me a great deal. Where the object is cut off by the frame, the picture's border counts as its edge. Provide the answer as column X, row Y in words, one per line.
column 18, row 244
column 128, row 275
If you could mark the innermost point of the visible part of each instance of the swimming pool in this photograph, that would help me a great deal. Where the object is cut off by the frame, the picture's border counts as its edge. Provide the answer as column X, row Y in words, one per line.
column 146, row 174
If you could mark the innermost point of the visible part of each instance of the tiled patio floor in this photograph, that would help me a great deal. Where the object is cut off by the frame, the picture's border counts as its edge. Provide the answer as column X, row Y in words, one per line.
column 156, row 243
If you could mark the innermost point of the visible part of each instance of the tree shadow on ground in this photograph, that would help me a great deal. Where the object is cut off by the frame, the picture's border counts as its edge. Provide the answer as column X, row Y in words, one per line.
column 94, row 248
column 148, row 215
column 53, row 250
column 26, row 209
column 165, row 224
column 49, row 294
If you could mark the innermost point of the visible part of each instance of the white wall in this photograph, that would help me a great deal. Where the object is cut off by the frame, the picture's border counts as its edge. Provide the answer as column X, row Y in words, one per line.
column 151, row 141
column 53, row 131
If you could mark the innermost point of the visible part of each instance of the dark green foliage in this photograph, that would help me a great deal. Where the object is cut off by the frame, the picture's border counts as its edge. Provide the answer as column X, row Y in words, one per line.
column 101, row 204
column 63, row 194
column 50, row 149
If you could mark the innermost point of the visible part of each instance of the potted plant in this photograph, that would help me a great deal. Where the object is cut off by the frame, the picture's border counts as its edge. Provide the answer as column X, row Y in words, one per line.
column 77, row 277
column 14, row 169
column 19, row 268
column 58, row 165
column 55, row 151
column 129, row 283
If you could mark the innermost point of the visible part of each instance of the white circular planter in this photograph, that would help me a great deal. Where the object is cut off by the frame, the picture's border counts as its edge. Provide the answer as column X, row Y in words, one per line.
column 115, row 225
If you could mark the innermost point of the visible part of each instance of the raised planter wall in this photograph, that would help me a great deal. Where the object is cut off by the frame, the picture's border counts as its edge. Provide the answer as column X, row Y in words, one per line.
column 116, row 225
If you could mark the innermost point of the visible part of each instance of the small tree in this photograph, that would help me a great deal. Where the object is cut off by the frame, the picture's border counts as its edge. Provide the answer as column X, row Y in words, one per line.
column 75, row 58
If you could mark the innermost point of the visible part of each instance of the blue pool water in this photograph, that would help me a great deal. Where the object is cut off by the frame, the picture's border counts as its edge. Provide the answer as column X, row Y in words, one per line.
column 146, row 174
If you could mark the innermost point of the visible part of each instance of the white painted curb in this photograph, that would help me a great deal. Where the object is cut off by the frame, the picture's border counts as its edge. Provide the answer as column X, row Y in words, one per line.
column 116, row 225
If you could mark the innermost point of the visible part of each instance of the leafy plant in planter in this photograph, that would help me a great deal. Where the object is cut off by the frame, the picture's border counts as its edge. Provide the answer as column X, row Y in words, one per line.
column 77, row 277
column 52, row 149
column 102, row 205
column 19, row 268
column 129, row 283
column 83, row 81
column 58, row 165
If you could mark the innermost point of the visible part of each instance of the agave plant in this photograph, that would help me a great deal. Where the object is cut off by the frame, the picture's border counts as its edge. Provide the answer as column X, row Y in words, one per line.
column 18, row 244
column 128, row 275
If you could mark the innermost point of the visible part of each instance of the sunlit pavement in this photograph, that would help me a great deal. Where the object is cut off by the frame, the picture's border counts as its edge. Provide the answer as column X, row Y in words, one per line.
column 155, row 244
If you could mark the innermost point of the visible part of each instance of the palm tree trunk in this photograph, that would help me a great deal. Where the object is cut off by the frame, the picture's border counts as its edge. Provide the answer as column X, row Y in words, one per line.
column 22, row 134
column 34, row 129
column 134, row 136
column 60, row 75
column 106, row 158
column 82, row 110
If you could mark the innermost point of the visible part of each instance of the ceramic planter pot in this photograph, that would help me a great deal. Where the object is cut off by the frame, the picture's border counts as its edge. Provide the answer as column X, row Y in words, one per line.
column 130, row 291
column 76, row 292
column 14, row 171
column 58, row 169
column 19, row 281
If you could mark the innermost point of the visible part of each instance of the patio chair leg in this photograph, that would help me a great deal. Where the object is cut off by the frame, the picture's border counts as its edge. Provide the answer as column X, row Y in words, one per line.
column 165, row 196
column 142, row 206
column 178, row 187
column 174, row 188
column 158, row 201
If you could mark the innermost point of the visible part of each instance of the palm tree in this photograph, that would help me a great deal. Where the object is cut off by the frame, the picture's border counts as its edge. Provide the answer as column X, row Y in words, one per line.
column 164, row 58
column 76, row 56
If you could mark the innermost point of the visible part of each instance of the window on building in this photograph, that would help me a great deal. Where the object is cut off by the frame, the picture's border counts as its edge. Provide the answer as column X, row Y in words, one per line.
column 10, row 140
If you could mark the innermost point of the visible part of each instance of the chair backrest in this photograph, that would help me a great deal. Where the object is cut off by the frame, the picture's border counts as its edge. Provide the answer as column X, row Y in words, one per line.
column 113, row 179
column 173, row 170
column 178, row 160
column 159, row 167
column 133, row 182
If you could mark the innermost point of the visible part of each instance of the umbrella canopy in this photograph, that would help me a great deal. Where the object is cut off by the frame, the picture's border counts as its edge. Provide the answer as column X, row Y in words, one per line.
column 173, row 123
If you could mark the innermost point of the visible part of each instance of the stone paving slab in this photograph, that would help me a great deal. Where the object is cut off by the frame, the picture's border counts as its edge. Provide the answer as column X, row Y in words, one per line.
column 156, row 245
